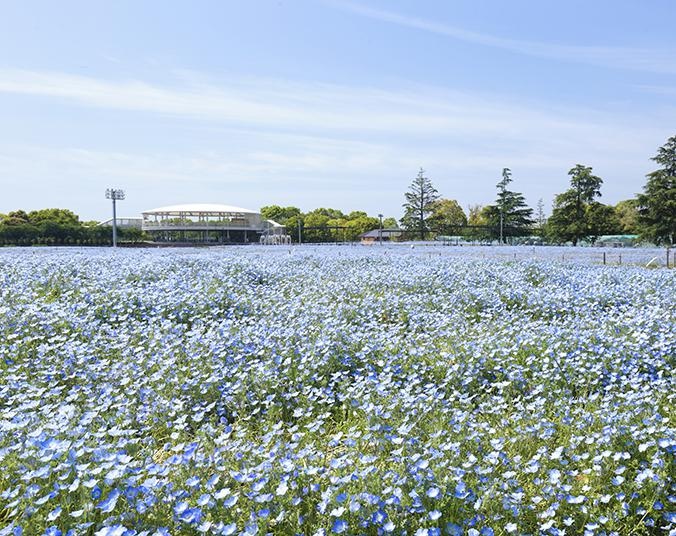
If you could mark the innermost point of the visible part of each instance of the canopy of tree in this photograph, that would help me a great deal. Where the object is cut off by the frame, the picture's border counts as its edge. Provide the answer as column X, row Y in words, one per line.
column 447, row 215
column 510, row 215
column 576, row 214
column 53, row 226
column 419, row 205
column 657, row 204
column 324, row 224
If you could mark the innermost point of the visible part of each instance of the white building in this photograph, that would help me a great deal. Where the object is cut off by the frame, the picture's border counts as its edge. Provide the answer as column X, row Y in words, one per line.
column 211, row 223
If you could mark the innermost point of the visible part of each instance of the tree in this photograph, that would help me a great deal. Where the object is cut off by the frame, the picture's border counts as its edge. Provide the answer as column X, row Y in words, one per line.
column 570, row 218
column 279, row 214
column 419, row 201
column 390, row 223
column 657, row 203
column 540, row 217
column 16, row 217
column 320, row 221
column 474, row 215
column 627, row 214
column 601, row 220
column 446, row 213
column 510, row 214
column 475, row 218
column 59, row 216
column 359, row 224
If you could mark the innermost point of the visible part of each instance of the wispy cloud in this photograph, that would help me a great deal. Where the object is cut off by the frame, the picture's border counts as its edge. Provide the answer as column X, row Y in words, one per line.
column 411, row 112
column 633, row 58
column 258, row 140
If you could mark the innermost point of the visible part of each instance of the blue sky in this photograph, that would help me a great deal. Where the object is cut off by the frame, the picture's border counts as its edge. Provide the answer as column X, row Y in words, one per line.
column 327, row 102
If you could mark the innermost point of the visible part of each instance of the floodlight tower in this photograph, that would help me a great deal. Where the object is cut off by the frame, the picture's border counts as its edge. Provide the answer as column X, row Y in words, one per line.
column 116, row 195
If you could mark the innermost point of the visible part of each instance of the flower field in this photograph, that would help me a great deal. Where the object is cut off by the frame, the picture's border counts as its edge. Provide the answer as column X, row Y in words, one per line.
column 334, row 390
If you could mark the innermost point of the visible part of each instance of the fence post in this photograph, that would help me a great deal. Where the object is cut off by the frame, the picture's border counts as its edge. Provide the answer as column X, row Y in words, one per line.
column 604, row 258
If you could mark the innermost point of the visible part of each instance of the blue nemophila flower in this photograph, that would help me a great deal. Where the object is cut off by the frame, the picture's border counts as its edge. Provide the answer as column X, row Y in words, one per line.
column 191, row 515
column 229, row 529
column 222, row 493
column 339, row 526
column 282, row 488
column 113, row 530
column 159, row 373
column 453, row 529
column 576, row 499
column 461, row 491
column 230, row 501
column 108, row 504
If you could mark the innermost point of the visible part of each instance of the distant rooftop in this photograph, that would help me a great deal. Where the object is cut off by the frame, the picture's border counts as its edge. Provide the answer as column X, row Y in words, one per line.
column 200, row 207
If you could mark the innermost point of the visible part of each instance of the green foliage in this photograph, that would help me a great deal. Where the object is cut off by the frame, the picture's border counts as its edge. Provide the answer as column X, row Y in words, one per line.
column 446, row 213
column 657, row 203
column 570, row 219
column 58, row 216
column 332, row 225
column 627, row 214
column 281, row 215
column 510, row 211
column 601, row 220
column 419, row 204
column 55, row 226
column 390, row 223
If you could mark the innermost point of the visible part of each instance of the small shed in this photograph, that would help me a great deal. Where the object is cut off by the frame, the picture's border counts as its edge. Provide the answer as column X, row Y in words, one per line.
column 377, row 235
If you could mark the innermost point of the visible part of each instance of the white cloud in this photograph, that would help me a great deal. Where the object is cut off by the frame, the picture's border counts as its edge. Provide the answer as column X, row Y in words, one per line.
column 634, row 58
column 410, row 112
column 255, row 140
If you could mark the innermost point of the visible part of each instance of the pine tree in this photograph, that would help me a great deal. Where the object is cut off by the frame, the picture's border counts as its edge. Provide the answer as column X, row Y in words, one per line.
column 657, row 203
column 510, row 214
column 570, row 219
column 419, row 205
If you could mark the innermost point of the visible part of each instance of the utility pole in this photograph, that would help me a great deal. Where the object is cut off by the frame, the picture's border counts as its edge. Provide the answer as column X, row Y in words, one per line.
column 116, row 195
column 380, row 233
column 299, row 236
column 501, row 225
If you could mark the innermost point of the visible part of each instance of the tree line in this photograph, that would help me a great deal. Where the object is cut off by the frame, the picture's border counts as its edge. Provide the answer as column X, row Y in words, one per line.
column 58, row 226
column 577, row 214
column 325, row 224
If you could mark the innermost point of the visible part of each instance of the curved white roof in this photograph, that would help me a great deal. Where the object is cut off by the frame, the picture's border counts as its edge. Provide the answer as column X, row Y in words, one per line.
column 200, row 207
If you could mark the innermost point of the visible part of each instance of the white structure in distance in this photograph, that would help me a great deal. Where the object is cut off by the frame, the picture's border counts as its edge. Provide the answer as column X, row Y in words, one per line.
column 212, row 223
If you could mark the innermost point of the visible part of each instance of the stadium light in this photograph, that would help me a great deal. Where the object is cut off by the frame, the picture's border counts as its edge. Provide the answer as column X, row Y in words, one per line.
column 116, row 195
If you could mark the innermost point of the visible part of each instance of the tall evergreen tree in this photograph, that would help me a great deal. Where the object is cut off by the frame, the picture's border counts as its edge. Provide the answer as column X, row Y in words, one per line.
column 571, row 219
column 540, row 217
column 657, row 203
column 419, row 205
column 510, row 215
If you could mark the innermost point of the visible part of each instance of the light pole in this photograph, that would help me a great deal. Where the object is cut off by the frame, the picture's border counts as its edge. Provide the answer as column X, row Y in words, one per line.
column 116, row 195
column 501, row 225
column 380, row 232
